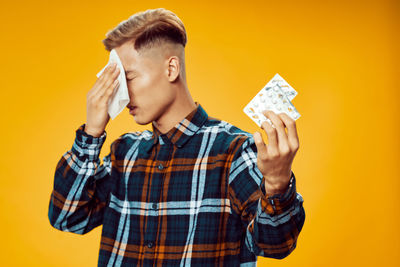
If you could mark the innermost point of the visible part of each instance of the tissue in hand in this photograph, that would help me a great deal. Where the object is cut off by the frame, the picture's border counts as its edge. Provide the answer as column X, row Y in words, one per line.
column 120, row 97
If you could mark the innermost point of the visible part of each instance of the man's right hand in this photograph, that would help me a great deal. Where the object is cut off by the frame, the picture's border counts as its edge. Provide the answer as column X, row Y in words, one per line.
column 97, row 101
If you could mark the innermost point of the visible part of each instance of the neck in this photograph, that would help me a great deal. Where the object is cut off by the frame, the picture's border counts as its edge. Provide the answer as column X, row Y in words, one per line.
column 176, row 112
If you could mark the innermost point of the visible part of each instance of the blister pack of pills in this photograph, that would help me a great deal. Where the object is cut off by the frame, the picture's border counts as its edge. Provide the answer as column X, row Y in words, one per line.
column 276, row 96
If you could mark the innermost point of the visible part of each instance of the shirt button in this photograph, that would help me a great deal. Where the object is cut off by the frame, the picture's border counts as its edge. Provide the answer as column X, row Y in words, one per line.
column 150, row 244
column 154, row 206
column 160, row 167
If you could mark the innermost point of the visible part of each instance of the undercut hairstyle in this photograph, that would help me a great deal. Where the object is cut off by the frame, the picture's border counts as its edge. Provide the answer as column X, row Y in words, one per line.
column 147, row 29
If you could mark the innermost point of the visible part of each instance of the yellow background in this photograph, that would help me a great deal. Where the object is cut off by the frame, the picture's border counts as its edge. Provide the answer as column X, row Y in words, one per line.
column 340, row 56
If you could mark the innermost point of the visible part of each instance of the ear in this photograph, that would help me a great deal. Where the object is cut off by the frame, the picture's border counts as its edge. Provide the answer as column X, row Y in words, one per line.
column 173, row 68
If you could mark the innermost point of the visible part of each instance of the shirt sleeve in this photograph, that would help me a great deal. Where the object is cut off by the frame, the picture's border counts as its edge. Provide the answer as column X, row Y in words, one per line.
column 272, row 223
column 81, row 185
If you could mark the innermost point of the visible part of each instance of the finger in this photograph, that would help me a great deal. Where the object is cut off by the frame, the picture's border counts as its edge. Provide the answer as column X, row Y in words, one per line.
column 99, row 84
column 106, row 73
column 107, row 85
column 262, row 150
column 280, row 128
column 272, row 139
column 290, row 124
column 108, row 69
column 110, row 90
column 109, row 80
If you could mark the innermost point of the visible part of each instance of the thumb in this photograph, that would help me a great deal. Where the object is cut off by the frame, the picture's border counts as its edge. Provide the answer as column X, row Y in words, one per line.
column 261, row 147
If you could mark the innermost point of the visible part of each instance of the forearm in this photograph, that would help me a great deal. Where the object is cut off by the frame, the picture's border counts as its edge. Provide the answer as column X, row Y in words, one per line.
column 274, row 230
column 273, row 219
column 73, row 189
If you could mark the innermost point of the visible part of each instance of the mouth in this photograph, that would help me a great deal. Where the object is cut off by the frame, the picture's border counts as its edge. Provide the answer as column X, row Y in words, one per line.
column 130, row 107
column 132, row 110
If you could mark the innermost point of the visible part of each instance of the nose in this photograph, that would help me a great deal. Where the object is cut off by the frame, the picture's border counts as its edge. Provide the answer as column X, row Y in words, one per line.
column 130, row 96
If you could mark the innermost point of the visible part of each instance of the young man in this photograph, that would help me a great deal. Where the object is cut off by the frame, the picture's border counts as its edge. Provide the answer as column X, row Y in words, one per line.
column 195, row 191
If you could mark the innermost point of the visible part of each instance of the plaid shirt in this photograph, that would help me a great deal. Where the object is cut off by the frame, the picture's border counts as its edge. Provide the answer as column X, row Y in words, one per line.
column 190, row 197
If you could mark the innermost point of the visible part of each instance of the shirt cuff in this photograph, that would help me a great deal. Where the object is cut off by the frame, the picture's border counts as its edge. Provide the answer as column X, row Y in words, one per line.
column 278, row 203
column 86, row 145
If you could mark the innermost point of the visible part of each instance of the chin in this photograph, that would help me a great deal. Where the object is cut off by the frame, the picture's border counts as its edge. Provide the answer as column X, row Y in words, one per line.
column 141, row 121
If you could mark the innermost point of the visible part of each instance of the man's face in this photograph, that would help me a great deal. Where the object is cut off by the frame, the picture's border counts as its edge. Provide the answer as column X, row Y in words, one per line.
column 147, row 80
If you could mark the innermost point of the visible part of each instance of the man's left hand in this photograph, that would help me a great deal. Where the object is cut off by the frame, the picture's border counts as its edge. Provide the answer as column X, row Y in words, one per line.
column 275, row 159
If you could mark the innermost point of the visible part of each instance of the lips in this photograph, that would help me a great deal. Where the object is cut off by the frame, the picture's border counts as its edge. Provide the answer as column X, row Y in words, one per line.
column 131, row 107
column 132, row 110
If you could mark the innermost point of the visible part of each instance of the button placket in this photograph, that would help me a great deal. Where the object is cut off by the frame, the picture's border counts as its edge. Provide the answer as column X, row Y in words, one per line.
column 161, row 164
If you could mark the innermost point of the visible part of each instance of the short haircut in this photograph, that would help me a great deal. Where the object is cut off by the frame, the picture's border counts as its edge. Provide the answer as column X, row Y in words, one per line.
column 146, row 29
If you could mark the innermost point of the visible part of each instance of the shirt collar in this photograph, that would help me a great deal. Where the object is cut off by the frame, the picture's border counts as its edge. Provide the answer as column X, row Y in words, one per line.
column 183, row 130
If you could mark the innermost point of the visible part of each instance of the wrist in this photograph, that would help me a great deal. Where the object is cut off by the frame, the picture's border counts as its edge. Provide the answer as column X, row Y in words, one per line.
column 274, row 189
column 87, row 146
column 92, row 132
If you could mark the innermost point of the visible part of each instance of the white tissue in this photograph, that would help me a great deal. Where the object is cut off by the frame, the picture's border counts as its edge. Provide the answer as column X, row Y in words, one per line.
column 120, row 97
